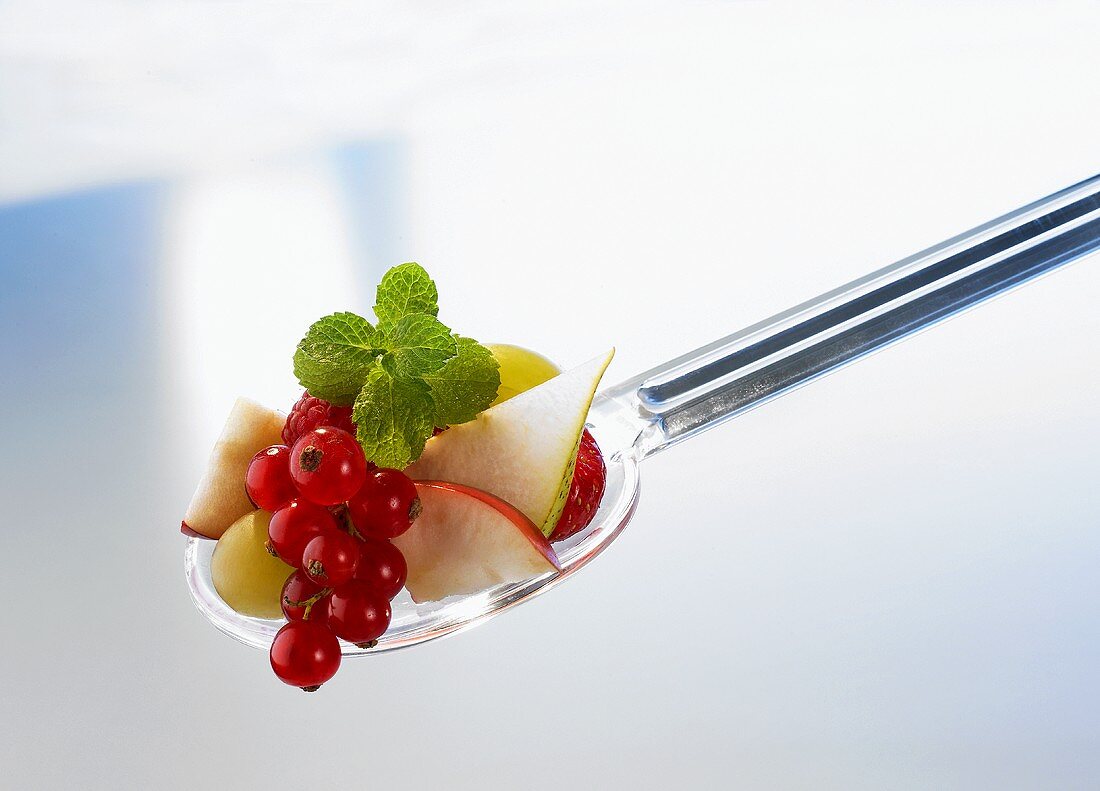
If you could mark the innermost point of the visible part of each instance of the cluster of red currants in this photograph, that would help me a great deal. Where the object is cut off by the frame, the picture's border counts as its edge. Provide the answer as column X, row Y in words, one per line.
column 333, row 515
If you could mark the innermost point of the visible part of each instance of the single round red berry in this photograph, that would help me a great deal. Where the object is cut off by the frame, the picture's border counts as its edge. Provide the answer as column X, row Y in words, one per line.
column 267, row 481
column 305, row 654
column 382, row 567
column 301, row 593
column 386, row 504
column 295, row 525
column 358, row 613
column 330, row 559
column 327, row 465
column 310, row 413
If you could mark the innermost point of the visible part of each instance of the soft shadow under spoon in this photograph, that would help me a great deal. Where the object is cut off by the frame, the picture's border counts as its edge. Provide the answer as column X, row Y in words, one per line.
column 695, row 392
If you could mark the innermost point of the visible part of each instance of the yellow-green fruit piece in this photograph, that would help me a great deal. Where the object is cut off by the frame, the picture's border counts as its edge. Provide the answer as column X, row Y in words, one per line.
column 520, row 369
column 245, row 575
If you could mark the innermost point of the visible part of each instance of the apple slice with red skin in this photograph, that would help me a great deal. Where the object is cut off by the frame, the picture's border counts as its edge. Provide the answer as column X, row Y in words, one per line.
column 466, row 540
column 220, row 498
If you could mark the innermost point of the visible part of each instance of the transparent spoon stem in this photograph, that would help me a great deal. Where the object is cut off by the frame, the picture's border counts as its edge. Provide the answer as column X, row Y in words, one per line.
column 713, row 384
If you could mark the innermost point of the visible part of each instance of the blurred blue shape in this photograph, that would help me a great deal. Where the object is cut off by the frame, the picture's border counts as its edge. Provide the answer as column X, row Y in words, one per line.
column 78, row 291
column 371, row 178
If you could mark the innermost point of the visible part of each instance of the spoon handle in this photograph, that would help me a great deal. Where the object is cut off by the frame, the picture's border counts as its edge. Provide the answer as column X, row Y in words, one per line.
column 737, row 373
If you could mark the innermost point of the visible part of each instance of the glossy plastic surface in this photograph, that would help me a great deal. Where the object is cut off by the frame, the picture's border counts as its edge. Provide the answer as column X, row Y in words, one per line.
column 740, row 372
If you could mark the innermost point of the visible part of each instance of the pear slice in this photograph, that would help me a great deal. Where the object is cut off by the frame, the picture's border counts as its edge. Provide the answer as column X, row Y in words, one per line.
column 522, row 450
column 466, row 540
column 220, row 499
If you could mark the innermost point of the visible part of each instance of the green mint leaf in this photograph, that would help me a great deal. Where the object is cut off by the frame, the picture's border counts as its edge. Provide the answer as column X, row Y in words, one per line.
column 393, row 418
column 419, row 344
column 405, row 289
column 333, row 359
column 389, row 364
column 465, row 385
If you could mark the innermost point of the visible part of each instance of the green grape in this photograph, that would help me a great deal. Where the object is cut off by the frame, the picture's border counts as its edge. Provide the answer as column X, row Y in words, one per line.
column 245, row 575
column 520, row 369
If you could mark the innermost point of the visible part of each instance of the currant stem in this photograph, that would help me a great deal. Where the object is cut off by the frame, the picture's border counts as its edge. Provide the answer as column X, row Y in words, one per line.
column 344, row 516
column 307, row 604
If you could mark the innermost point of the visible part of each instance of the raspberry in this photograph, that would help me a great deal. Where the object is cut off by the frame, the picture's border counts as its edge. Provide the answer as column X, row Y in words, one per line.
column 586, row 491
column 310, row 413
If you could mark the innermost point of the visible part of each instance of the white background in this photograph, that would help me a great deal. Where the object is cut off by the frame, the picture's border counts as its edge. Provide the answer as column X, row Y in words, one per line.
column 885, row 580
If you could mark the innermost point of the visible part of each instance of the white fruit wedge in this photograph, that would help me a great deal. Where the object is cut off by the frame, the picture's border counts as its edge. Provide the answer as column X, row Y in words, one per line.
column 522, row 450
column 466, row 540
column 220, row 499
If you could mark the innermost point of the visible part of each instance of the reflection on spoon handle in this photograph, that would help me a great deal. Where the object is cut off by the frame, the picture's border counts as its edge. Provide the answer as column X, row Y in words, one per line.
column 717, row 382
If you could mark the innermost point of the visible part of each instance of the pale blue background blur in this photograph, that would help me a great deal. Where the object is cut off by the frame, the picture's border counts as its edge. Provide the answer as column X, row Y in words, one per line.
column 886, row 580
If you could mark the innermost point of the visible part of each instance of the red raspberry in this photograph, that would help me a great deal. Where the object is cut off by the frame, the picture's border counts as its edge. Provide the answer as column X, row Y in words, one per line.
column 586, row 491
column 310, row 413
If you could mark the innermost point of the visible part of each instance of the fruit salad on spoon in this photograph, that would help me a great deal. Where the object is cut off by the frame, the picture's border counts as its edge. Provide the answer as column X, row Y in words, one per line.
column 416, row 459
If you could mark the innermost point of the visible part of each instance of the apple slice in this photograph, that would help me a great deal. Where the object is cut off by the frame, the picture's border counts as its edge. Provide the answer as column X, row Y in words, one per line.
column 466, row 540
column 521, row 450
column 220, row 499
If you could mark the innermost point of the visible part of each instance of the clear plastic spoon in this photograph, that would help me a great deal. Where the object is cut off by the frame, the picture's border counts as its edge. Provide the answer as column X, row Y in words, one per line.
column 711, row 385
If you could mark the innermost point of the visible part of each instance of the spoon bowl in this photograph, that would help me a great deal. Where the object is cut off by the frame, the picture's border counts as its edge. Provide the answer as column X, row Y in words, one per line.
column 414, row 623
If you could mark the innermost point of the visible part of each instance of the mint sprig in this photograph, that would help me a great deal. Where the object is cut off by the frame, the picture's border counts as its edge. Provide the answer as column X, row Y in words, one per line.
column 333, row 360
column 467, row 381
column 393, row 418
column 405, row 289
column 420, row 344
column 403, row 377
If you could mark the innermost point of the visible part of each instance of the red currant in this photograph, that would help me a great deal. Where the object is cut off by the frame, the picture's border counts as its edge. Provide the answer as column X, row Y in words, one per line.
column 330, row 559
column 327, row 465
column 358, row 613
column 386, row 505
column 295, row 525
column 268, row 480
column 299, row 593
column 382, row 567
column 305, row 654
